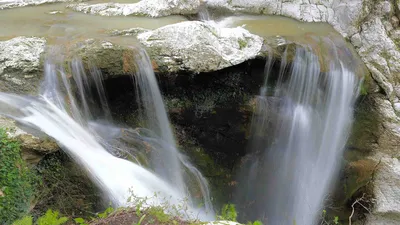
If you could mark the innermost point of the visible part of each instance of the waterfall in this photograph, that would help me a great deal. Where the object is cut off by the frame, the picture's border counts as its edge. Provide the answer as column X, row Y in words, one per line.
column 299, row 130
column 72, row 108
column 168, row 162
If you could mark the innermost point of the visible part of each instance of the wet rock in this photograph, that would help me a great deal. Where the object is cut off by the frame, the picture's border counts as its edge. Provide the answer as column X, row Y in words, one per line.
column 8, row 4
column 33, row 148
column 112, row 59
column 195, row 46
column 129, row 32
column 386, row 192
column 342, row 15
column 223, row 222
column 153, row 8
column 20, row 64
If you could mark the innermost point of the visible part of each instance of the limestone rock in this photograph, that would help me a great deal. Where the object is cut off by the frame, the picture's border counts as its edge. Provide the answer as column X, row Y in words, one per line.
column 20, row 64
column 223, row 222
column 387, row 193
column 199, row 47
column 33, row 148
column 153, row 8
column 8, row 4
column 340, row 14
column 129, row 32
column 112, row 59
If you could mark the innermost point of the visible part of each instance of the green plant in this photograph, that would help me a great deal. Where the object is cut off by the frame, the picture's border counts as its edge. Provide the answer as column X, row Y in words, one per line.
column 62, row 179
column 51, row 218
column 141, row 220
column 228, row 212
column 26, row 220
column 328, row 220
column 80, row 221
column 106, row 212
column 16, row 183
column 257, row 222
column 159, row 214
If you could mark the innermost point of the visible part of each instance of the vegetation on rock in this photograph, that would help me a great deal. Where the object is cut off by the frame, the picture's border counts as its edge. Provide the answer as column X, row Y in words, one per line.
column 16, row 183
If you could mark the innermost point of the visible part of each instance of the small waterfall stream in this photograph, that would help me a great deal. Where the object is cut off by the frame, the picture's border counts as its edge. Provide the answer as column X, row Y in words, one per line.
column 78, row 117
column 299, row 130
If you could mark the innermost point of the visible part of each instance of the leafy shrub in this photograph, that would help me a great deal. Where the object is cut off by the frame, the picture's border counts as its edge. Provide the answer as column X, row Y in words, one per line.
column 16, row 188
column 228, row 212
column 50, row 218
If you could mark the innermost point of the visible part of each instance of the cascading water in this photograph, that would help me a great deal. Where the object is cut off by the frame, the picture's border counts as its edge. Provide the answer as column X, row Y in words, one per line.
column 83, row 127
column 299, row 130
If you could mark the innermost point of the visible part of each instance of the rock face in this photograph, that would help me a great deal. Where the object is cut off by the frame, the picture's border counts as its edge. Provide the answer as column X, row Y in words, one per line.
column 33, row 148
column 195, row 46
column 341, row 14
column 8, row 4
column 372, row 27
column 388, row 192
column 153, row 8
column 20, row 64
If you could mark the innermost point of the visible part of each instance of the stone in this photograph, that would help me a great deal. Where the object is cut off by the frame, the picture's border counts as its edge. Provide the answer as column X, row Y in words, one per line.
column 386, row 192
column 33, row 147
column 129, row 32
column 153, row 8
column 112, row 59
column 340, row 14
column 223, row 222
column 196, row 47
column 20, row 64
column 380, row 220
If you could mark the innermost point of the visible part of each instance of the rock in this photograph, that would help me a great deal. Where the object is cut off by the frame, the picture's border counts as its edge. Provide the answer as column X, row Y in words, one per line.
column 129, row 32
column 20, row 64
column 379, row 220
column 33, row 148
column 387, row 193
column 8, row 4
column 112, row 59
column 153, row 8
column 195, row 46
column 340, row 14
column 223, row 222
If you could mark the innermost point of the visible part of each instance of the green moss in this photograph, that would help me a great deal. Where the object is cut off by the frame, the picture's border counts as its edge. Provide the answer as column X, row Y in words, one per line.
column 64, row 187
column 242, row 43
column 16, row 183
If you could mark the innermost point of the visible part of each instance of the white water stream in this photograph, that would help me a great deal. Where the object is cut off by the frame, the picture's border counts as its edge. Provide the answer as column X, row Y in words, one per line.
column 300, row 128
column 84, row 129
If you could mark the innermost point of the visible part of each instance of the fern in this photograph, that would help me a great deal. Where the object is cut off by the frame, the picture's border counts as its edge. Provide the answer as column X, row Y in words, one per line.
column 26, row 220
column 228, row 213
column 51, row 218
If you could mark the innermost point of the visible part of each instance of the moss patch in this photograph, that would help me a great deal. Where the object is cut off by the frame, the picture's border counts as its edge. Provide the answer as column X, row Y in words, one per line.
column 16, row 181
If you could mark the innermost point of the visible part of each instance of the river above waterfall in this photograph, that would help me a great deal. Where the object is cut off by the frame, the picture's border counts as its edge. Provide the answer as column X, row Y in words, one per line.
column 57, row 21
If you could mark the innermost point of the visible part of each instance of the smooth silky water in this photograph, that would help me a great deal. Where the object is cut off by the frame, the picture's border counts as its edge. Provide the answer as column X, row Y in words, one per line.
column 299, row 130
column 74, row 111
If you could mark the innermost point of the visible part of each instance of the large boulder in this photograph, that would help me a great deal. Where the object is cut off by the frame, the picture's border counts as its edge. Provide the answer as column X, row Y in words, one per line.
column 33, row 148
column 195, row 46
column 153, row 8
column 20, row 64
column 387, row 190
